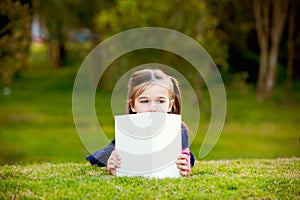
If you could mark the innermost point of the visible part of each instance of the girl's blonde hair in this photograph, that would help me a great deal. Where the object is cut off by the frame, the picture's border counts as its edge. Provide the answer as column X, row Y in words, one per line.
column 142, row 79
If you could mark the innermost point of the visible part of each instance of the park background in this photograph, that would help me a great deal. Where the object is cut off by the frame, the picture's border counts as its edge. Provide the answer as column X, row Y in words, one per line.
column 255, row 45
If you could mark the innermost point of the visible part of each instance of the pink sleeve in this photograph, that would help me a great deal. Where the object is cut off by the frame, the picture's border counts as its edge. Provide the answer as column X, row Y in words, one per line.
column 186, row 152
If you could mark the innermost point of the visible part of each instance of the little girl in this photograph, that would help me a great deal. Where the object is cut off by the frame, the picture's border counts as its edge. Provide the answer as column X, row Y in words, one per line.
column 149, row 91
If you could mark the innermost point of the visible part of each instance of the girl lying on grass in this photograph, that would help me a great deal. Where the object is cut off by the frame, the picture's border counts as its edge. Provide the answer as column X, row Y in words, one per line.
column 149, row 91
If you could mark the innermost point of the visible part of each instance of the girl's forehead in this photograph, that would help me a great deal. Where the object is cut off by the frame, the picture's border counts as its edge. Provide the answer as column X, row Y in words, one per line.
column 160, row 84
column 156, row 89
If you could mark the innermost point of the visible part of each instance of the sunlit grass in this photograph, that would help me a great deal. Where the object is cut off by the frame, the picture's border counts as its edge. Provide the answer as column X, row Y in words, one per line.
column 223, row 179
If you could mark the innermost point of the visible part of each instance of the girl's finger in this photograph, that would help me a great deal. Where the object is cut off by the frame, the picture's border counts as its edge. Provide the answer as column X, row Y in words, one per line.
column 181, row 162
column 183, row 173
column 183, row 167
column 111, row 167
column 112, row 171
column 182, row 156
column 113, row 161
column 115, row 155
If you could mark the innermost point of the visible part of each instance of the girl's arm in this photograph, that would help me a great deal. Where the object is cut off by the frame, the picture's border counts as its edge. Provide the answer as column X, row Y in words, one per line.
column 184, row 161
column 101, row 156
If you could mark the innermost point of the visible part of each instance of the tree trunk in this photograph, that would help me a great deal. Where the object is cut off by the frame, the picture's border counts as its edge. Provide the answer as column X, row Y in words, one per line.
column 54, row 53
column 290, row 48
column 261, row 13
column 268, row 57
column 263, row 64
column 62, row 53
column 280, row 9
column 57, row 52
column 270, row 76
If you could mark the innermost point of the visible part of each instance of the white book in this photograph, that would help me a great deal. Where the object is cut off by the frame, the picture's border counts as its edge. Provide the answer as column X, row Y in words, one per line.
column 148, row 144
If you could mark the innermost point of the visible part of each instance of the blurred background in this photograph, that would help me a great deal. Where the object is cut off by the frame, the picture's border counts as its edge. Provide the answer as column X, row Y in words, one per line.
column 255, row 45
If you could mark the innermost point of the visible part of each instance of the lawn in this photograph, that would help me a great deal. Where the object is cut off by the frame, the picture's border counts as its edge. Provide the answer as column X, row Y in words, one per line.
column 222, row 179
column 41, row 154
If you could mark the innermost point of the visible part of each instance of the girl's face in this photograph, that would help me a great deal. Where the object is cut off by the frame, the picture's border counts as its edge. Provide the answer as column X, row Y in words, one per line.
column 154, row 99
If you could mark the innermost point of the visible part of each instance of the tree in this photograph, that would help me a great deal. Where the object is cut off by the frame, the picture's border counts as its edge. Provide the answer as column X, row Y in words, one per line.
column 15, row 18
column 59, row 19
column 270, row 18
column 192, row 18
column 62, row 17
column 290, row 45
column 236, row 23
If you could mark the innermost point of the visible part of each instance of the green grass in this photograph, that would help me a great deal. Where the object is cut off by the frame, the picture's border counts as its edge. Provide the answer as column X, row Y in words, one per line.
column 42, row 156
column 223, row 179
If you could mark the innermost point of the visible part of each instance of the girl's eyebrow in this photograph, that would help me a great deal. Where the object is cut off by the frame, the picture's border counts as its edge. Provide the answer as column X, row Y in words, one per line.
column 159, row 97
column 162, row 97
column 143, row 97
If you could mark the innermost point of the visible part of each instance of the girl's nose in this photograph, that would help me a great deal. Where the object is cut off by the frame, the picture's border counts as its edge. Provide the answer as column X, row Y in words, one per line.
column 152, row 107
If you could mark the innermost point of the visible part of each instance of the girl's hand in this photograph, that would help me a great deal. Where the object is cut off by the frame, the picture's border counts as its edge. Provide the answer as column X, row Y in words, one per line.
column 182, row 165
column 113, row 162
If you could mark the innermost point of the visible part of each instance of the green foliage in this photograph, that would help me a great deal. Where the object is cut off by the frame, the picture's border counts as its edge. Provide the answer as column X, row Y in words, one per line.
column 237, row 26
column 235, row 179
column 62, row 17
column 14, row 38
column 193, row 19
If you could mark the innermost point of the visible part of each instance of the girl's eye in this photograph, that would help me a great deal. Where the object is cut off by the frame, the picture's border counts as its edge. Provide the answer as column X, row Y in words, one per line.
column 161, row 101
column 144, row 101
